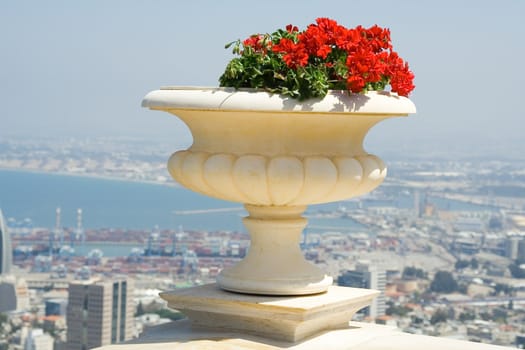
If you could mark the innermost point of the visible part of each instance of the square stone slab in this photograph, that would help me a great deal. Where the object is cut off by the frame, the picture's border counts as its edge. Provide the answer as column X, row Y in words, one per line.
column 288, row 318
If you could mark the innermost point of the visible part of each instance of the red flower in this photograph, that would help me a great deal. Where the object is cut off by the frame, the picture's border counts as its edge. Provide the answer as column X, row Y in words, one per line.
column 294, row 55
column 365, row 64
column 291, row 29
column 379, row 38
column 329, row 27
column 401, row 77
column 256, row 42
column 333, row 55
column 315, row 41
column 402, row 81
column 355, row 83
column 347, row 39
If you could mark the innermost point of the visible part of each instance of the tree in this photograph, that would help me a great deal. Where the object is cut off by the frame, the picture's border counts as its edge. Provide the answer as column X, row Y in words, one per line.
column 495, row 224
column 443, row 282
column 461, row 264
column 171, row 314
column 485, row 316
column 462, row 288
column 502, row 288
column 474, row 264
column 140, row 309
column 397, row 309
column 500, row 315
column 516, row 271
column 439, row 316
column 451, row 313
column 467, row 316
column 410, row 272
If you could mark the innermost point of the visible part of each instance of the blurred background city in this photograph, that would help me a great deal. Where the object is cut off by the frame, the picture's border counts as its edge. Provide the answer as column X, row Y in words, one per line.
column 89, row 212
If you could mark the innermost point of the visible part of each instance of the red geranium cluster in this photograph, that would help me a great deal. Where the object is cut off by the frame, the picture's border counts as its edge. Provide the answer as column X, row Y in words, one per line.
column 257, row 43
column 324, row 56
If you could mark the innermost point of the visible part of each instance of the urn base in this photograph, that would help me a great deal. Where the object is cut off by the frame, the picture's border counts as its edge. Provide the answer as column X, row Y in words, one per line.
column 274, row 264
column 289, row 319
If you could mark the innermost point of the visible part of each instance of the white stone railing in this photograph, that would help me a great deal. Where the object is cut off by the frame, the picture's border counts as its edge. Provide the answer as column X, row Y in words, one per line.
column 362, row 336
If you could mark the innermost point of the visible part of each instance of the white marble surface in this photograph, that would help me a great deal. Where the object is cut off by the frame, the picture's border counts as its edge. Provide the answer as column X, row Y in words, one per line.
column 336, row 101
column 359, row 336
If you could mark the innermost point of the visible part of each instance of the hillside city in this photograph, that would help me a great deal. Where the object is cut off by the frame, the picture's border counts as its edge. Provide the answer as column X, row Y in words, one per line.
column 443, row 239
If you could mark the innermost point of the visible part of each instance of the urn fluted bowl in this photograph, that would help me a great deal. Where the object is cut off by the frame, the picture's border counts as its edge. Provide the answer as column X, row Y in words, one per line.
column 276, row 155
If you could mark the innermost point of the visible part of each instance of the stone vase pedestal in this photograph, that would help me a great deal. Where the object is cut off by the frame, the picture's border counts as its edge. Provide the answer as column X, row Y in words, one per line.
column 276, row 155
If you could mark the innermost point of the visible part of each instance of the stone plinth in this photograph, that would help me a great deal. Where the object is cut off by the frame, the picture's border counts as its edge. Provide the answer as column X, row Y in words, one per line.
column 288, row 318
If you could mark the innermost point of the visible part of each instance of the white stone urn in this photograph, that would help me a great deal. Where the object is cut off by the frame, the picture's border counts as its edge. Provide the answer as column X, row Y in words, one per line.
column 276, row 155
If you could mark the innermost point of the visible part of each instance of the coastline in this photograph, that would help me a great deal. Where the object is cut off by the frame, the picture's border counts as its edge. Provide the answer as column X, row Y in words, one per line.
column 107, row 202
column 172, row 183
column 166, row 205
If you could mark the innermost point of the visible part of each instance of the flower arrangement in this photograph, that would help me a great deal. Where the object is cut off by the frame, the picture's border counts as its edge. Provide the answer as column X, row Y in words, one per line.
column 325, row 56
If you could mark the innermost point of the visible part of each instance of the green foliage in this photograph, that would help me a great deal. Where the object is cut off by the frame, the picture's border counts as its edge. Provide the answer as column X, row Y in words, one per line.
column 411, row 272
column 451, row 313
column 443, row 282
column 462, row 288
column 140, row 310
column 159, row 310
column 502, row 288
column 416, row 296
column 417, row 320
column 485, row 316
column 267, row 71
column 500, row 315
column 172, row 315
column 495, row 224
column 264, row 69
column 467, row 316
column 398, row 310
column 474, row 264
column 516, row 271
column 439, row 316
column 461, row 264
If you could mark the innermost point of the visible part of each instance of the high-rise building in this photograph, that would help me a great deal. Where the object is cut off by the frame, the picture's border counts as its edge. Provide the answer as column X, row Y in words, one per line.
column 13, row 290
column 368, row 276
column 99, row 313
column 6, row 253
column 512, row 247
column 521, row 250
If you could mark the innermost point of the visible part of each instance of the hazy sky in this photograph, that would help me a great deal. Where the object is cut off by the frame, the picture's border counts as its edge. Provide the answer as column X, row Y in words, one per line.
column 82, row 67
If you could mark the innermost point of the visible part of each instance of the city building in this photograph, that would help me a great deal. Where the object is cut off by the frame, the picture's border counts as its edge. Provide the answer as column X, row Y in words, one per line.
column 38, row 340
column 512, row 247
column 521, row 250
column 367, row 275
column 56, row 307
column 8, row 293
column 99, row 313
column 6, row 258
column 13, row 291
